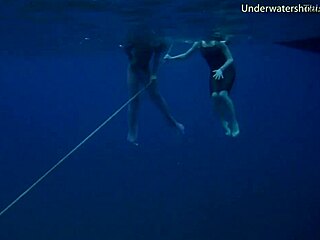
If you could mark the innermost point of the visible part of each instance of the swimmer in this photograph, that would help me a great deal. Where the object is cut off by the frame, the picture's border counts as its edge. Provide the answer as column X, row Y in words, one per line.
column 222, row 76
column 145, row 50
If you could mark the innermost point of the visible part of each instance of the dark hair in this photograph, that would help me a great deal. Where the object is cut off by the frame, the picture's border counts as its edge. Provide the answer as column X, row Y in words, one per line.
column 143, row 34
column 217, row 36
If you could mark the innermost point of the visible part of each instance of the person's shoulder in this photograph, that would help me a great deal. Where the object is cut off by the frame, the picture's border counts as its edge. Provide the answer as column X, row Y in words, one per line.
column 197, row 44
column 221, row 44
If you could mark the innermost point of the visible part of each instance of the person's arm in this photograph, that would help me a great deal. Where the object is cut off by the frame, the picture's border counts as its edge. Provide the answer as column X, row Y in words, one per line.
column 186, row 54
column 218, row 74
column 228, row 55
column 156, row 62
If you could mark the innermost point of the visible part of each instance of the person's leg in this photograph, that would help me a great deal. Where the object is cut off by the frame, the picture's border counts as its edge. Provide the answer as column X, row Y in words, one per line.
column 218, row 106
column 228, row 108
column 162, row 105
column 133, row 87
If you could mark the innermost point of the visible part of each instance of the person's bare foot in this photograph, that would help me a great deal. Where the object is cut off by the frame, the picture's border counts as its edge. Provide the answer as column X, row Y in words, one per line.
column 133, row 142
column 132, row 138
column 226, row 127
column 180, row 127
column 235, row 129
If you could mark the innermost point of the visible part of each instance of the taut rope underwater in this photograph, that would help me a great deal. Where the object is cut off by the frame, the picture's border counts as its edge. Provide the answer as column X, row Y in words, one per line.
column 74, row 149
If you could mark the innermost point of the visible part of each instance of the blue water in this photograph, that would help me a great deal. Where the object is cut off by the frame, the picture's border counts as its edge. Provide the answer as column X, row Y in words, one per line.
column 56, row 89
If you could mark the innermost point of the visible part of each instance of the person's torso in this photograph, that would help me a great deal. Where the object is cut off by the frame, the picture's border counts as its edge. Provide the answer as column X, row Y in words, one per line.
column 213, row 55
column 141, row 54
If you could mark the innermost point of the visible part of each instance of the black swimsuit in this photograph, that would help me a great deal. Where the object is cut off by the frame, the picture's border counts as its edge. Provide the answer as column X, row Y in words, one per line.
column 215, row 59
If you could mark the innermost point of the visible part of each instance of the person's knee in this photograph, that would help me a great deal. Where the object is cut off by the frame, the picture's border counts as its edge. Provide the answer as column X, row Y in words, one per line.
column 224, row 93
column 214, row 95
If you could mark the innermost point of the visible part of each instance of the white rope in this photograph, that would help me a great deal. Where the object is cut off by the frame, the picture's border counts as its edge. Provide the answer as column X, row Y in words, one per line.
column 73, row 150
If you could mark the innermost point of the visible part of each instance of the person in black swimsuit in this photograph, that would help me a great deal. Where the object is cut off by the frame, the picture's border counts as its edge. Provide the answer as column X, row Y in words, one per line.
column 141, row 48
column 222, row 76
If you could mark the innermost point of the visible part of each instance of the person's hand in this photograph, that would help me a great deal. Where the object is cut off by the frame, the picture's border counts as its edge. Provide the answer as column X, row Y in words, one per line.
column 153, row 77
column 167, row 57
column 217, row 74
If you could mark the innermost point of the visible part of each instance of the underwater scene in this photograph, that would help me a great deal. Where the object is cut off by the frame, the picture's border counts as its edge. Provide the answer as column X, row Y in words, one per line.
column 159, row 119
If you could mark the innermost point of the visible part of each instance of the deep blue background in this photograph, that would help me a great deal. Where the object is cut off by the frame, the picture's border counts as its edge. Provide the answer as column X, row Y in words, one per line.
column 262, row 185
